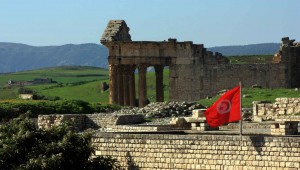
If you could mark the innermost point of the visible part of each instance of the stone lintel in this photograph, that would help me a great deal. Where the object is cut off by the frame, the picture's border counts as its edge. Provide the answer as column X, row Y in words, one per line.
column 136, row 60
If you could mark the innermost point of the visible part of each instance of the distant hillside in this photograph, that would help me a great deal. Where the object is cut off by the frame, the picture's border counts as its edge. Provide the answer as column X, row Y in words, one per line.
column 253, row 49
column 19, row 57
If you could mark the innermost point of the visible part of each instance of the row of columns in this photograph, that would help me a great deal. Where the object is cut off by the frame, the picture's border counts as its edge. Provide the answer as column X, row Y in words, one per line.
column 122, row 84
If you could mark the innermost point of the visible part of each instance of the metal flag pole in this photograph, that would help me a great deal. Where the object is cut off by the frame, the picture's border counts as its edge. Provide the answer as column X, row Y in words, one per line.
column 241, row 114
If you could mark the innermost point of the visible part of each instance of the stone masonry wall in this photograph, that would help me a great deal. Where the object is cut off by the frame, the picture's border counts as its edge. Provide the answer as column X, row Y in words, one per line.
column 208, row 79
column 85, row 121
column 286, row 107
column 174, row 151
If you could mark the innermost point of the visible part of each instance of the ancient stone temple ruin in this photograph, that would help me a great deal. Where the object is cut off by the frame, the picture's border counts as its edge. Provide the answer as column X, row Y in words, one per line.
column 195, row 73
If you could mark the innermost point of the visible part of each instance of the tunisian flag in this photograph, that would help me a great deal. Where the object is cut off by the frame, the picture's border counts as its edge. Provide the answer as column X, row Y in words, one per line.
column 225, row 109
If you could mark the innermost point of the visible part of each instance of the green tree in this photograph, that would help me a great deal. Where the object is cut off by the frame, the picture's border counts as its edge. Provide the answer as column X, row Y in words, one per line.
column 22, row 146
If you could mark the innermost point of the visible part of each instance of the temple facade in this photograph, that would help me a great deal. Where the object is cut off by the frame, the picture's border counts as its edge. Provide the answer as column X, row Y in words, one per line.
column 195, row 73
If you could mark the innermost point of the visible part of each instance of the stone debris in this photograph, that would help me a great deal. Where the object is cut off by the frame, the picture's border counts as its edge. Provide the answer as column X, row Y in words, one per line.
column 164, row 109
column 163, row 112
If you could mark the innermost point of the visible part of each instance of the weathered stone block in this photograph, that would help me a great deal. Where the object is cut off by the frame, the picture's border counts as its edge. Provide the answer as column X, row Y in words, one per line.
column 198, row 113
column 290, row 111
column 281, row 112
column 261, row 112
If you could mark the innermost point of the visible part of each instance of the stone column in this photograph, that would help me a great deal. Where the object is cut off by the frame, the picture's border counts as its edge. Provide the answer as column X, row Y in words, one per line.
column 142, row 85
column 126, row 71
column 120, row 86
column 113, row 84
column 159, row 83
column 132, row 86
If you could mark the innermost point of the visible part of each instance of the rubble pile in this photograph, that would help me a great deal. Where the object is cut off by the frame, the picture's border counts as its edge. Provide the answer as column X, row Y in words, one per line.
column 163, row 109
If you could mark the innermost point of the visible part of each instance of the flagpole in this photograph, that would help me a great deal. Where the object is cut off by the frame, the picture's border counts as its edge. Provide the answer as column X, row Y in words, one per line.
column 241, row 114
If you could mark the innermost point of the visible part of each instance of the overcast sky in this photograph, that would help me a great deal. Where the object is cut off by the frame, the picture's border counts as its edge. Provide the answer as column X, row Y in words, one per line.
column 208, row 22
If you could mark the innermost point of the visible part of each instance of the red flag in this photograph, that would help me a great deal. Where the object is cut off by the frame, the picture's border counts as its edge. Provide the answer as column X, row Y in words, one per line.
column 225, row 109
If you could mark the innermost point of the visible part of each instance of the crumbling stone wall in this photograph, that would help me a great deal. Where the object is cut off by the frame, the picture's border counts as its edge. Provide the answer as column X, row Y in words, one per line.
column 117, row 30
column 174, row 151
column 281, row 108
column 199, row 73
column 81, row 122
column 207, row 80
column 290, row 54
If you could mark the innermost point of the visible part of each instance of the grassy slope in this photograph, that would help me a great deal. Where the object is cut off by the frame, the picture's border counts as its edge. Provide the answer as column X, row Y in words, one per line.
column 74, row 83
column 88, row 78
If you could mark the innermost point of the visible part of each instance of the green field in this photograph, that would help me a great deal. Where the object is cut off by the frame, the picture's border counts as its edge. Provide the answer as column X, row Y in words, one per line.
column 83, row 83
column 72, row 83
column 79, row 83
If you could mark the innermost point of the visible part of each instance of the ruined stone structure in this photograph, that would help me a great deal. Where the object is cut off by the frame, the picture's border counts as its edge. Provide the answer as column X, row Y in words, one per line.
column 195, row 73
column 156, row 147
column 269, row 145
column 282, row 108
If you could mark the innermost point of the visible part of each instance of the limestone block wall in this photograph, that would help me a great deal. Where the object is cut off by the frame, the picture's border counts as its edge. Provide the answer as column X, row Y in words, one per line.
column 207, row 79
column 48, row 121
column 265, row 75
column 199, row 73
column 174, row 151
column 84, row 121
column 99, row 120
column 281, row 107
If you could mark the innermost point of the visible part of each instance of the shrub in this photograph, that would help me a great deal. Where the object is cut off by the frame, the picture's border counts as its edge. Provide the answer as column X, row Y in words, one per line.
column 12, row 109
column 22, row 146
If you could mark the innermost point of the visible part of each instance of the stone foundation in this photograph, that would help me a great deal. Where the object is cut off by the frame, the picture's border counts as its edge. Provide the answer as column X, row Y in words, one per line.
column 175, row 151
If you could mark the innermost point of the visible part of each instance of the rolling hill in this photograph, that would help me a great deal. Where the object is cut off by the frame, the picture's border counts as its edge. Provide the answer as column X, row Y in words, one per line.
column 19, row 57
column 252, row 49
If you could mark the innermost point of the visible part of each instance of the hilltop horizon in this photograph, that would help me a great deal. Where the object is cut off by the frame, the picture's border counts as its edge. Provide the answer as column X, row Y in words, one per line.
column 70, row 43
